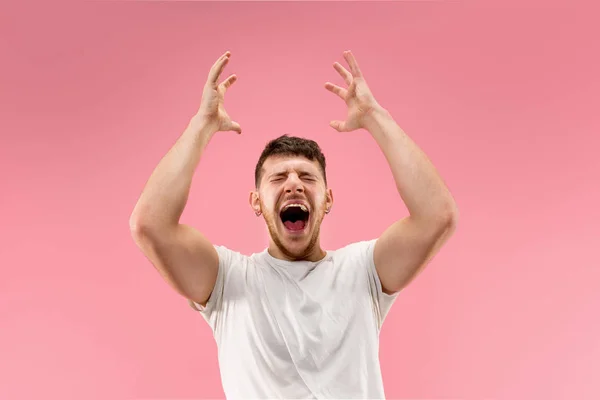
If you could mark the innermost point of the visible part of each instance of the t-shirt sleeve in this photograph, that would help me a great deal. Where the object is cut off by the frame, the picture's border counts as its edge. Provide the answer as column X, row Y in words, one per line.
column 382, row 302
column 215, row 301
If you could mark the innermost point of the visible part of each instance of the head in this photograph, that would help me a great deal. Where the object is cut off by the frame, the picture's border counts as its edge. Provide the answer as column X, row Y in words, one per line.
column 291, row 170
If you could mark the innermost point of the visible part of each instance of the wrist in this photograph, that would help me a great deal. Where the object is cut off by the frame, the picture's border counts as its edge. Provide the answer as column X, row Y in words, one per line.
column 375, row 117
column 201, row 125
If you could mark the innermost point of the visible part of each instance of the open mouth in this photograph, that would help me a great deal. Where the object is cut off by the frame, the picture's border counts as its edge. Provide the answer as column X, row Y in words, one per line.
column 295, row 217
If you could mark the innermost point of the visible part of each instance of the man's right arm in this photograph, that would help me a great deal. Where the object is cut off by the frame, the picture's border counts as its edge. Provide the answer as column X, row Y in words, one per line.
column 183, row 256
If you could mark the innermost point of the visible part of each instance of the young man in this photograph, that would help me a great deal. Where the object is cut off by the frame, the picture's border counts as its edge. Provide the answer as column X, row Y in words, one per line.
column 295, row 321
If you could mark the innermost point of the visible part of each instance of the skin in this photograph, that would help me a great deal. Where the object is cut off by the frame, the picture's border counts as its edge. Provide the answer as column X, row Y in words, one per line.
column 405, row 248
column 286, row 178
column 188, row 261
column 183, row 255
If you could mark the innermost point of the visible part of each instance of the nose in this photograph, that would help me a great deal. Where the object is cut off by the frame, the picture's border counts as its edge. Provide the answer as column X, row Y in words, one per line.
column 294, row 184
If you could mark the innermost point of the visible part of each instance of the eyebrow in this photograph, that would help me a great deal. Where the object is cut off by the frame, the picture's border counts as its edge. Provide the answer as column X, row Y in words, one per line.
column 283, row 173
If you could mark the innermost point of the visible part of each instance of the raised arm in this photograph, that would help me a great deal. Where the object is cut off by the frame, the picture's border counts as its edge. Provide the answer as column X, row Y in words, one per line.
column 405, row 248
column 182, row 255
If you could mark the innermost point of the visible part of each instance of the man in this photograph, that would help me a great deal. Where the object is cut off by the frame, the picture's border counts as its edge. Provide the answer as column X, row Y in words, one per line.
column 295, row 321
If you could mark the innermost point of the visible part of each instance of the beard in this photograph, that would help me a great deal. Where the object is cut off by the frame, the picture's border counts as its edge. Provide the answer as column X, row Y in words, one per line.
column 295, row 248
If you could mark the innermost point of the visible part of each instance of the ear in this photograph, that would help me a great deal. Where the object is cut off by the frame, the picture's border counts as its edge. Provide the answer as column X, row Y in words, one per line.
column 329, row 199
column 254, row 202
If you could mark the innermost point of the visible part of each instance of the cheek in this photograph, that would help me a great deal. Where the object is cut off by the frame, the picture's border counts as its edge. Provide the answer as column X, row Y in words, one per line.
column 319, row 200
column 268, row 204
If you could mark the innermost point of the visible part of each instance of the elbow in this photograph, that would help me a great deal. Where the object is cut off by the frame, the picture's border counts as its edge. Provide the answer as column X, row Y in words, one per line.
column 139, row 227
column 450, row 221
column 141, row 221
column 450, row 218
column 446, row 220
column 138, row 230
column 144, row 233
column 143, row 228
column 136, row 224
column 451, row 215
column 445, row 217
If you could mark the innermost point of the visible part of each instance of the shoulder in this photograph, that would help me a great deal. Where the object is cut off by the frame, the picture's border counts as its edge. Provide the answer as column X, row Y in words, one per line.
column 358, row 251
column 233, row 264
column 356, row 257
column 230, row 278
column 229, row 257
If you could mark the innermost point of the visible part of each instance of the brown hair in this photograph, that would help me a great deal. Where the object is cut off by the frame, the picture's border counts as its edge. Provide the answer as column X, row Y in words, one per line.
column 286, row 145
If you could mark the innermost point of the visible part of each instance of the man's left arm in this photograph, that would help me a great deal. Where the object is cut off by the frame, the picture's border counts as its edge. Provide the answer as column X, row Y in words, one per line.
column 406, row 247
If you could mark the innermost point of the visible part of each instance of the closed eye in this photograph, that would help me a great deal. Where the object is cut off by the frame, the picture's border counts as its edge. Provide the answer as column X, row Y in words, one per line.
column 279, row 178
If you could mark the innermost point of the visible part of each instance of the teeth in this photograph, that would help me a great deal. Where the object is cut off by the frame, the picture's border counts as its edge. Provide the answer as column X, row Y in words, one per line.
column 302, row 207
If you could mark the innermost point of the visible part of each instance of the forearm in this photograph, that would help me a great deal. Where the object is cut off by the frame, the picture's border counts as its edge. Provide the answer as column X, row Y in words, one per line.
column 417, row 180
column 165, row 194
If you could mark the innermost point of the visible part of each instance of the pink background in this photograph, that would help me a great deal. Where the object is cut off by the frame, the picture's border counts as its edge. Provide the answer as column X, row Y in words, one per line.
column 502, row 97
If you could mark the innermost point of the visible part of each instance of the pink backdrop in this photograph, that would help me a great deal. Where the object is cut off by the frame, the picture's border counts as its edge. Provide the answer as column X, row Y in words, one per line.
column 503, row 98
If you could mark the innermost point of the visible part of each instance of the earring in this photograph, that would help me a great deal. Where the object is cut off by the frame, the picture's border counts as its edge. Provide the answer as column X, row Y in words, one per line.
column 257, row 213
column 327, row 211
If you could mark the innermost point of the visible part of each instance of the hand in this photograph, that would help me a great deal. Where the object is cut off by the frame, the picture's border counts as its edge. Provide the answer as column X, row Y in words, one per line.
column 359, row 99
column 212, row 111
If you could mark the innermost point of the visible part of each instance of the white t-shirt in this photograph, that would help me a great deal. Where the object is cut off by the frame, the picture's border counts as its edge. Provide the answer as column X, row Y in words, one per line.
column 298, row 330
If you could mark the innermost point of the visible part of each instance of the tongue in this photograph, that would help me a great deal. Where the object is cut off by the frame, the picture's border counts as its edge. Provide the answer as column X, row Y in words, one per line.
column 294, row 226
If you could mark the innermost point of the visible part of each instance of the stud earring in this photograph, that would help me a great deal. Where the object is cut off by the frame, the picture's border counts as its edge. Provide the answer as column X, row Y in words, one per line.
column 327, row 211
column 257, row 213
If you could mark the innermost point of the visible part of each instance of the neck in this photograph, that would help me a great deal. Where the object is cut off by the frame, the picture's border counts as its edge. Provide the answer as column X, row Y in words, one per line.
column 316, row 254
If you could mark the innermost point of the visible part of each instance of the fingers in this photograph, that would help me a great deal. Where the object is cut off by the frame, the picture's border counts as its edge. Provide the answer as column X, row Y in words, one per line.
column 217, row 68
column 339, row 126
column 354, row 69
column 343, row 72
column 234, row 126
column 229, row 81
column 352, row 63
column 337, row 90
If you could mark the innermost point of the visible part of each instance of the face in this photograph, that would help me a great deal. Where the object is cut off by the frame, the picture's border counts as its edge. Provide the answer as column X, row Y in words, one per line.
column 294, row 180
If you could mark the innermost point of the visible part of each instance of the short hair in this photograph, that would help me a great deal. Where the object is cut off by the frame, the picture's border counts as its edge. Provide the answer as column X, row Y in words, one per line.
column 286, row 145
